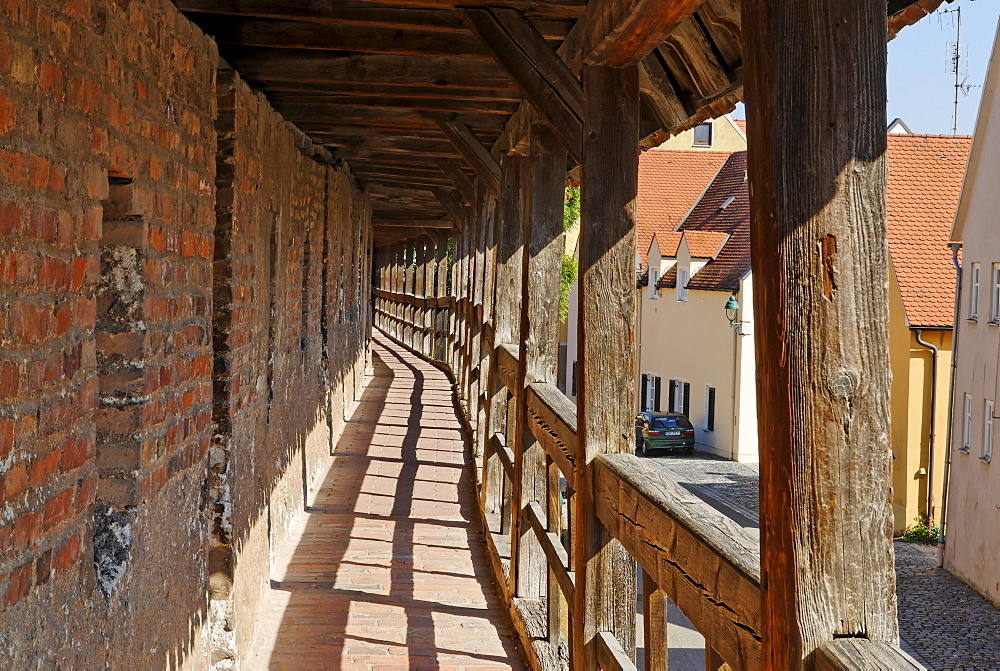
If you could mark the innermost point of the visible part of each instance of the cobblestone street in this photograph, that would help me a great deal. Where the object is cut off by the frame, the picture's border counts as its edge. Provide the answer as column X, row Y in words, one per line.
column 943, row 623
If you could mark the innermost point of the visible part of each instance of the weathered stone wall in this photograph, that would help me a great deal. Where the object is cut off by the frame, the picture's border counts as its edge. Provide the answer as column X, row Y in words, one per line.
column 280, row 356
column 183, row 327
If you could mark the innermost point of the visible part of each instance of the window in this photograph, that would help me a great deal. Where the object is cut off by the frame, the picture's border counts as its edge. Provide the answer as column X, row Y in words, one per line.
column 650, row 388
column 682, row 282
column 573, row 385
column 995, row 296
column 703, row 135
column 987, row 431
column 709, row 408
column 967, row 422
column 654, row 277
column 680, row 392
column 974, row 294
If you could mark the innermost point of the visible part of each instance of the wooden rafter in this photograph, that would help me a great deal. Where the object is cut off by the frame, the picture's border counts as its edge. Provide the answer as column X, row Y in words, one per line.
column 453, row 172
column 477, row 156
column 547, row 82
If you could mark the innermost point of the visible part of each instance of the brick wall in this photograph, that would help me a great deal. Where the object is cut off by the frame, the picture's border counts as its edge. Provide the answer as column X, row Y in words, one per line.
column 282, row 208
column 176, row 359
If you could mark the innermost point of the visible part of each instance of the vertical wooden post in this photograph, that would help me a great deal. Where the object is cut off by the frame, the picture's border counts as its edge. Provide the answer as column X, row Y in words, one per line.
column 486, row 352
column 816, row 96
column 430, row 267
column 419, row 275
column 478, row 315
column 441, row 323
column 605, row 574
column 540, row 268
column 654, row 620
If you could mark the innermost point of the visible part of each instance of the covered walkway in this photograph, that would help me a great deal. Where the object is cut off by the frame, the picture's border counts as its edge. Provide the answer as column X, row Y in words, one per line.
column 387, row 568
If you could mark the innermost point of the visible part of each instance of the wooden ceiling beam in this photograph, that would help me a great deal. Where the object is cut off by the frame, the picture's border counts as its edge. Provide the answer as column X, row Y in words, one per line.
column 476, row 155
column 621, row 32
column 434, row 12
column 311, row 118
column 309, row 66
column 454, row 207
column 323, row 37
column 394, row 90
column 331, row 102
column 453, row 171
column 547, row 82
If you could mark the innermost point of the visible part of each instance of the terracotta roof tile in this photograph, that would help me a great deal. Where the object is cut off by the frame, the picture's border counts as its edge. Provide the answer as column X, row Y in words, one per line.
column 742, row 125
column 925, row 179
column 670, row 183
column 705, row 244
column 668, row 242
column 724, row 211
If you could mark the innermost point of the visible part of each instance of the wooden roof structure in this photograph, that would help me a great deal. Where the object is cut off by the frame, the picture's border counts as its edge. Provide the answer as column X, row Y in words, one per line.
column 420, row 97
column 463, row 124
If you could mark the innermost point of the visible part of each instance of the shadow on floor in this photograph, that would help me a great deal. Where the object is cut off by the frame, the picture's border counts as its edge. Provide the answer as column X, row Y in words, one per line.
column 389, row 568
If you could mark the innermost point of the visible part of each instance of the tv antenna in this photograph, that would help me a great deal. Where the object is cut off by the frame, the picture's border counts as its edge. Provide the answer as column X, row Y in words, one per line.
column 958, row 54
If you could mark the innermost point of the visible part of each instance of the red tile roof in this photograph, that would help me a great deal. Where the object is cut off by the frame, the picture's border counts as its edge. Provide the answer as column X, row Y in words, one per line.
column 668, row 242
column 705, row 244
column 742, row 125
column 925, row 179
column 670, row 183
column 732, row 261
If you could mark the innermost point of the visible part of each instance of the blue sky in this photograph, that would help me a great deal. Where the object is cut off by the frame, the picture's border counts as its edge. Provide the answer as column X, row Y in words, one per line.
column 921, row 89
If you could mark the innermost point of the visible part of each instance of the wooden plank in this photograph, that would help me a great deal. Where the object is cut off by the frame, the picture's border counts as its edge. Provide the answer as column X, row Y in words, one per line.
column 402, row 89
column 610, row 654
column 861, row 654
column 703, row 561
column 820, row 266
column 505, row 454
column 555, row 553
column 309, row 118
column 654, row 622
column 552, row 420
column 331, row 104
column 280, row 64
column 536, row 69
column 606, row 348
column 475, row 154
column 622, row 32
column 507, row 365
column 326, row 37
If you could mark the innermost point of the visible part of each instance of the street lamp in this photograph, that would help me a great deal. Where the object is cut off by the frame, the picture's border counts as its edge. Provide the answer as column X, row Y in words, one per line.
column 732, row 308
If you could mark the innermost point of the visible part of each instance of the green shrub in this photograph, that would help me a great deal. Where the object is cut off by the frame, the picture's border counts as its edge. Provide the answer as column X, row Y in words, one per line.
column 921, row 532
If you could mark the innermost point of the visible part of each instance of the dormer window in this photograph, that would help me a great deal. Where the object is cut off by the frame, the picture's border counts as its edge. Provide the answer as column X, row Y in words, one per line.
column 654, row 277
column 682, row 283
column 703, row 135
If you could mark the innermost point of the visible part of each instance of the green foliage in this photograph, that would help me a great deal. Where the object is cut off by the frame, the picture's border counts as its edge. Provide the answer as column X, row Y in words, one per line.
column 571, row 211
column 921, row 532
column 570, row 267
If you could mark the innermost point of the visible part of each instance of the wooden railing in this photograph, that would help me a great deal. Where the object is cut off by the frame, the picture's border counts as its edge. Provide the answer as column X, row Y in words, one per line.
column 691, row 554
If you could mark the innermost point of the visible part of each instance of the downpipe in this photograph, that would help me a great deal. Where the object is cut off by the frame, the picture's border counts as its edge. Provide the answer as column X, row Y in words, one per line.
column 933, row 417
column 955, row 247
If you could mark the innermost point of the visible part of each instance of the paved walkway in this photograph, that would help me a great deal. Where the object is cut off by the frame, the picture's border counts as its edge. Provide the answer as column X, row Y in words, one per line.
column 390, row 571
column 943, row 623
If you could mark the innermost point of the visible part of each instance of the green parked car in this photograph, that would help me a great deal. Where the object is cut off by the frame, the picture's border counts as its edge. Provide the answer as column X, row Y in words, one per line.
column 663, row 431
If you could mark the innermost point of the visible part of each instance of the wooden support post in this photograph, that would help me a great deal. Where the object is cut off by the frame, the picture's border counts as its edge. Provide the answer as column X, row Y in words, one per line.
column 654, row 611
column 441, row 339
column 476, row 327
column 430, row 266
column 409, row 276
column 540, row 268
column 816, row 95
column 420, row 289
column 485, row 351
column 508, row 233
column 605, row 574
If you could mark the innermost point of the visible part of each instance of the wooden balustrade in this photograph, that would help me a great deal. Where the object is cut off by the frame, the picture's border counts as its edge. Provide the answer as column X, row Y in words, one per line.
column 570, row 512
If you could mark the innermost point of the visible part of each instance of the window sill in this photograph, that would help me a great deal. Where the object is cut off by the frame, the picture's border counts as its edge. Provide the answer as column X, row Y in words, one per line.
column 985, row 460
column 993, row 322
column 974, row 320
column 963, row 450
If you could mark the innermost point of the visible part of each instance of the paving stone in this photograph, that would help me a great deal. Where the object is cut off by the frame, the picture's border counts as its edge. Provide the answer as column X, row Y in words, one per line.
column 387, row 569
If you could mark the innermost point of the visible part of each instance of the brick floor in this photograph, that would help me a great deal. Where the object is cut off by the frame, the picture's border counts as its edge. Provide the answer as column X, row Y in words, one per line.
column 389, row 571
